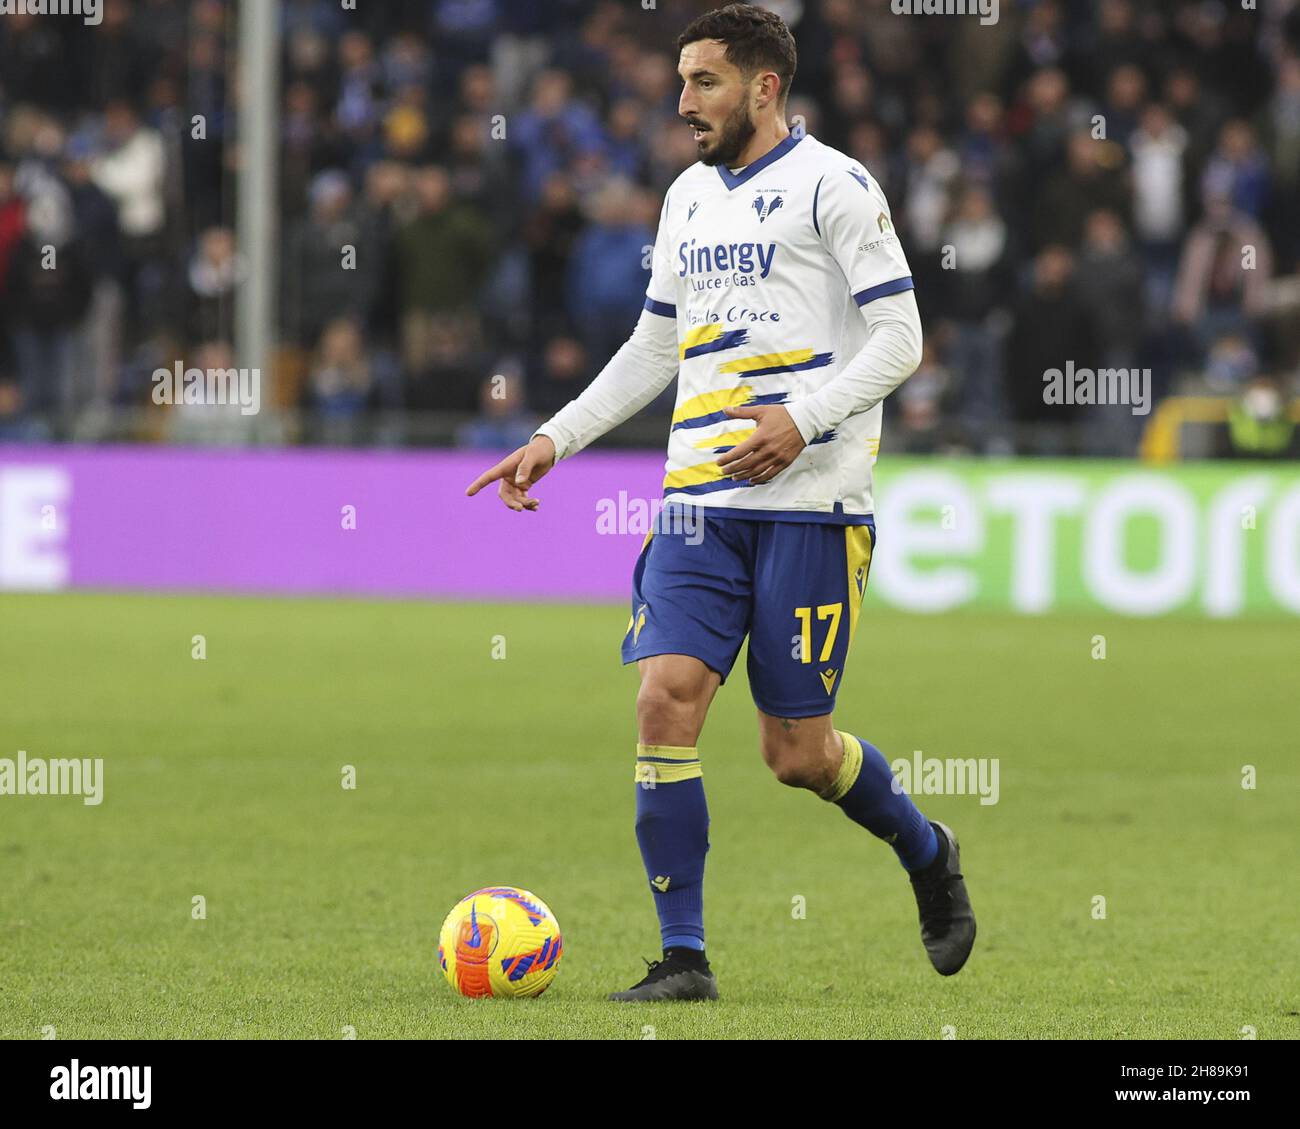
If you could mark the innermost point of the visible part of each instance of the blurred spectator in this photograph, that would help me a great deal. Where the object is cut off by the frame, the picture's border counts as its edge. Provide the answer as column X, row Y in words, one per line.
column 1119, row 42
column 1282, row 128
column 1238, row 170
column 332, row 261
column 1052, row 328
column 407, row 63
column 202, row 160
column 130, row 171
column 1231, row 365
column 385, row 206
column 1258, row 424
column 15, row 427
column 1199, row 111
column 550, row 234
column 564, row 373
column 608, row 273
column 207, row 422
column 466, row 28
column 1158, row 149
column 1043, row 119
column 1126, row 90
column 120, row 62
column 13, row 218
column 922, row 403
column 554, row 130
column 480, row 170
column 624, row 152
column 930, row 171
column 987, row 156
column 29, row 61
column 49, row 293
column 213, row 273
column 407, row 131
column 504, row 422
column 1044, row 42
column 346, row 379
column 350, row 128
column 1109, row 278
column 976, row 291
column 443, row 256
column 1226, row 265
column 304, row 144
column 1093, row 178
column 95, row 219
column 455, row 360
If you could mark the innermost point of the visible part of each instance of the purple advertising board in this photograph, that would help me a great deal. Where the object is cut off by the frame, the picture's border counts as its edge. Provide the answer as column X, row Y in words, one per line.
column 1029, row 536
column 296, row 521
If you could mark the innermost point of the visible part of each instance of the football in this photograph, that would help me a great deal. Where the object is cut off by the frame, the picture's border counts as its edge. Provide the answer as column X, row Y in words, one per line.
column 500, row 941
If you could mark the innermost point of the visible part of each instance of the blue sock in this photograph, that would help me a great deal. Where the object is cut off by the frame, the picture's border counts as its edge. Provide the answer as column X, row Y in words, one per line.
column 672, row 829
column 867, row 791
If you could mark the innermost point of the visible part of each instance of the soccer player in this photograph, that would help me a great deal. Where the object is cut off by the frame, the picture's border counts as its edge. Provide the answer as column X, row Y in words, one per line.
column 781, row 299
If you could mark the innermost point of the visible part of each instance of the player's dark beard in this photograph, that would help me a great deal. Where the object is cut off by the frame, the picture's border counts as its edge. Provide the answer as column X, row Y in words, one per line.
column 737, row 131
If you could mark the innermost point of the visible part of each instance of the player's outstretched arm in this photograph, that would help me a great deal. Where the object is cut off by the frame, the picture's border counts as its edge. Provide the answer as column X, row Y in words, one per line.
column 635, row 375
column 518, row 472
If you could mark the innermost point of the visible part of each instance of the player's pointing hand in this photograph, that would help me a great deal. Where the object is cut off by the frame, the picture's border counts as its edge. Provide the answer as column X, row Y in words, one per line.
column 517, row 472
column 775, row 444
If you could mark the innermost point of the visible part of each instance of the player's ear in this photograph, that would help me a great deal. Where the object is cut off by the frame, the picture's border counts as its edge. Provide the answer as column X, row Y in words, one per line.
column 772, row 87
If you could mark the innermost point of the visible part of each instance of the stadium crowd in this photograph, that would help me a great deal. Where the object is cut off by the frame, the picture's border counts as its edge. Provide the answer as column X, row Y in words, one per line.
column 1112, row 182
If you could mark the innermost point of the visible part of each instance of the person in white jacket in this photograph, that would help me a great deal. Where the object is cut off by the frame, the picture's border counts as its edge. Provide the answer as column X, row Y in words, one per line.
column 132, row 172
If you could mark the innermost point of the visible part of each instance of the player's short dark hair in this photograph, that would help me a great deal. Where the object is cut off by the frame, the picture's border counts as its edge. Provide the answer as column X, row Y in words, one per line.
column 756, row 39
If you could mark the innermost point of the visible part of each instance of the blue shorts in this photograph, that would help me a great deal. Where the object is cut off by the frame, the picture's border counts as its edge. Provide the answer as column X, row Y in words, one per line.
column 702, row 583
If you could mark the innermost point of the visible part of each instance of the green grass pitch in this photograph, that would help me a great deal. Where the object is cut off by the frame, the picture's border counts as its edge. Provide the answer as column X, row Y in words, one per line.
column 1120, row 778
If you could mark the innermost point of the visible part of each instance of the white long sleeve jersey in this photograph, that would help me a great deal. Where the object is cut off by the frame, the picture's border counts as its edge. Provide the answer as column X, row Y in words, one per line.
column 781, row 284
